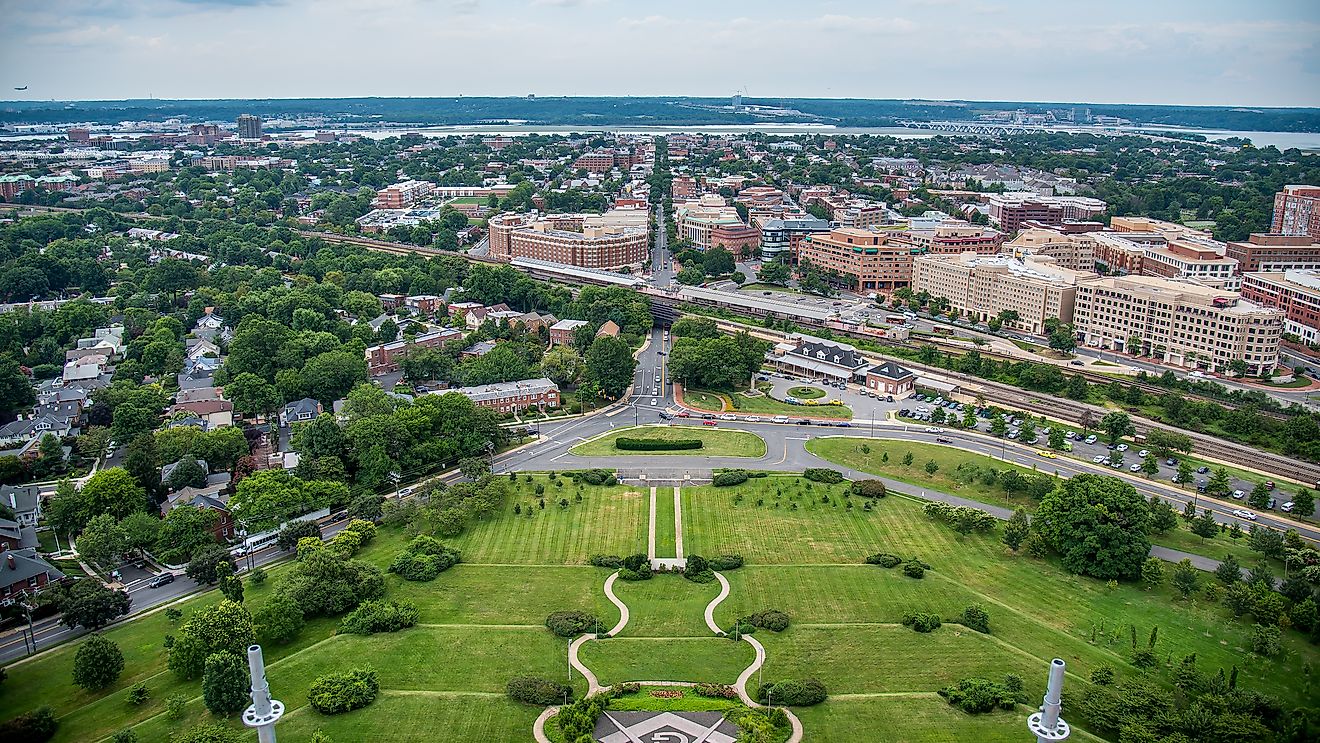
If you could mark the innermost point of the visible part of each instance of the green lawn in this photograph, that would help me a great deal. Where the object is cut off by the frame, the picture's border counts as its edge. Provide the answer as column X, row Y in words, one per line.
column 710, row 659
column 419, row 718
column 763, row 405
column 689, row 702
column 715, row 442
column 666, row 606
column 665, row 532
column 1302, row 381
column 912, row 718
column 806, row 393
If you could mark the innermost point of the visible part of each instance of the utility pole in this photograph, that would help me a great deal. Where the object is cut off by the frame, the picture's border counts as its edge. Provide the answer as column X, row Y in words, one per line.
column 1047, row 725
column 264, row 711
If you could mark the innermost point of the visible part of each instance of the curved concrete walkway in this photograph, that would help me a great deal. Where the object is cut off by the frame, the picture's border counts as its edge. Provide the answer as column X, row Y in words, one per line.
column 710, row 608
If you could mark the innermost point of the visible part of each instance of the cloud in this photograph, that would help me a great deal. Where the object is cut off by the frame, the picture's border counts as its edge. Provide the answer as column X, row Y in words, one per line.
column 864, row 24
column 563, row 3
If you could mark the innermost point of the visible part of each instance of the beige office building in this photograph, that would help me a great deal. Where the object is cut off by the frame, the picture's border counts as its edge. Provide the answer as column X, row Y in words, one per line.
column 982, row 286
column 1178, row 322
column 1074, row 251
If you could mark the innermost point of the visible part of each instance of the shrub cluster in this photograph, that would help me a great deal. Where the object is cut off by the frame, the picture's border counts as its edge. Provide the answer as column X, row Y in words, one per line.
column 823, row 474
column 632, row 444
column 793, row 692
column 726, row 562
column 964, row 519
column 376, row 616
column 757, row 724
column 578, row 719
column 570, row 623
column 636, row 567
column 593, row 477
column 974, row 617
column 771, row 619
column 606, row 561
column 716, row 691
column 977, row 695
column 884, row 560
column 424, row 558
column 698, row 570
column 342, row 692
column 295, row 531
column 35, row 726
column 729, row 477
column 922, row 621
column 868, row 489
column 536, row 690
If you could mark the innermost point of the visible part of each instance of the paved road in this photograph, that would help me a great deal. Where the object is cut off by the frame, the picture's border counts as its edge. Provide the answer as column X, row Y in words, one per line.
column 49, row 631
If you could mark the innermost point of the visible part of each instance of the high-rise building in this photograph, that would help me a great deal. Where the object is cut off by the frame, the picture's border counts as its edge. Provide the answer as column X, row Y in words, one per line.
column 616, row 239
column 249, row 126
column 867, row 261
column 1177, row 322
column 1297, row 211
column 1262, row 252
column 1010, row 210
column 1296, row 293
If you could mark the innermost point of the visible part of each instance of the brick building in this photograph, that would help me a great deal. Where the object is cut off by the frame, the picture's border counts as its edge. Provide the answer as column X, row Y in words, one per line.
column 1271, row 252
column 386, row 356
column 1297, row 211
column 615, row 239
column 1294, row 292
column 867, row 261
column 511, row 397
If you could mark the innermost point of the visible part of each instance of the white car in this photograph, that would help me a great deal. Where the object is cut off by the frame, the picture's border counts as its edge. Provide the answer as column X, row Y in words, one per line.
column 728, row 417
column 752, row 418
column 1134, row 468
column 781, row 419
column 655, row 401
column 1091, row 439
column 1237, row 494
column 933, row 429
column 1287, row 507
column 1143, row 453
column 1098, row 458
column 1122, row 447
column 1243, row 513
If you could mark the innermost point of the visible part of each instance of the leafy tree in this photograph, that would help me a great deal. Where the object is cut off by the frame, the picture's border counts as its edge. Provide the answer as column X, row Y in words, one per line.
column 774, row 272
column 204, row 567
column 16, row 393
column 252, row 395
column 562, row 365
column 1229, row 571
column 610, row 364
column 103, row 542
column 1205, row 526
column 330, row 376
column 279, row 620
column 225, row 683
column 223, row 627
column 1162, row 516
column 1116, row 425
column 140, row 531
column 88, row 603
column 1304, row 503
column 1152, row 572
column 67, row 511
column 1266, row 541
column 1259, row 497
column 1186, row 578
column 1017, row 529
column 1220, row 483
column 1057, row 438
column 1184, row 470
column 188, row 473
column 113, row 491
column 184, row 530
column 1150, row 468
column 1097, row 524
column 98, row 663
column 998, row 426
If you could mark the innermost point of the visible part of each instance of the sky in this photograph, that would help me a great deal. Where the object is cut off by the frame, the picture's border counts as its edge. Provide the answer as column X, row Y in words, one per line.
column 1198, row 52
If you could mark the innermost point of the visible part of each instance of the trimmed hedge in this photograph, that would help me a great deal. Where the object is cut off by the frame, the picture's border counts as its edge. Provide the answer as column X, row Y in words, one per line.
column 823, row 474
column 570, row 623
column 424, row 558
column 793, row 692
column 729, row 477
column 605, row 561
column 376, row 616
column 343, row 692
column 536, row 690
column 628, row 443
column 726, row 562
column 868, row 489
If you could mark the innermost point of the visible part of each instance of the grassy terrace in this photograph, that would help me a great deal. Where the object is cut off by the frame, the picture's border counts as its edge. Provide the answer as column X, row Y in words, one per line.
column 715, row 442
column 481, row 623
column 741, row 404
column 847, row 451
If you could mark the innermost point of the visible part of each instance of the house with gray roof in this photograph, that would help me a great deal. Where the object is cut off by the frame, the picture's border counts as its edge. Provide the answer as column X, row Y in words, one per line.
column 24, row 500
column 300, row 411
column 23, row 572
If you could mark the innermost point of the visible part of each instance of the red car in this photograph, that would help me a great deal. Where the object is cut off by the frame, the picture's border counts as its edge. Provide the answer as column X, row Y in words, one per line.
column 709, row 423
column 684, row 414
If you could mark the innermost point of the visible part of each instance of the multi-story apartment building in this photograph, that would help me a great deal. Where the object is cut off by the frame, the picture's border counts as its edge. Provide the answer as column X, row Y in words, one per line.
column 249, row 126
column 1149, row 225
column 1294, row 292
column 696, row 219
column 954, row 238
column 982, row 286
column 867, row 261
column 615, row 239
column 563, row 332
column 1119, row 253
column 386, row 357
column 739, row 239
column 781, row 238
column 510, row 397
column 1178, row 322
column 1297, row 211
column 402, row 195
column 683, row 187
column 1010, row 210
column 1270, row 252
column 1074, row 251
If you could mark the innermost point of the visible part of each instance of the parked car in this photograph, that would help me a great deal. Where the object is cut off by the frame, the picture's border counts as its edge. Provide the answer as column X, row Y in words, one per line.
column 1287, row 507
column 1202, row 469
column 1143, row 453
column 1091, row 439
column 805, row 422
column 1134, row 468
column 752, row 418
column 163, row 579
column 1237, row 494
column 1122, row 447
column 780, row 419
column 1171, row 462
column 843, row 424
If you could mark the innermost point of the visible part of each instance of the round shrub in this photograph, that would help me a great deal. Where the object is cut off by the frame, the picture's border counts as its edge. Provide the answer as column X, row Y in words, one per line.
column 884, row 560
column 36, row 726
column 424, row 558
column 636, row 567
column 374, row 616
column 726, row 562
column 606, row 561
column 771, row 619
column 793, row 692
column 536, row 690
column 922, row 621
column 365, row 530
column 914, row 569
column 974, row 617
column 868, row 489
column 308, row 545
column 98, row 663
column 698, row 570
column 626, row 443
column 570, row 623
column 729, row 477
column 342, row 692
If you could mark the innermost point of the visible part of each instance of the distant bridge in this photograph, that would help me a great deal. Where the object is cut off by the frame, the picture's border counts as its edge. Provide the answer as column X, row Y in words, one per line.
column 997, row 128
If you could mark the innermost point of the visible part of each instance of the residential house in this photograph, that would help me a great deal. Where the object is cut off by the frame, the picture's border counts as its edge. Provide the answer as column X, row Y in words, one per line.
column 300, row 411
column 460, row 310
column 534, row 321
column 197, row 394
column 23, row 572
column 24, row 501
column 562, row 332
column 475, row 316
column 608, row 328
column 91, row 366
column 511, row 397
column 477, row 350
column 194, row 379
column 386, row 356
column 27, row 429
column 15, row 536
column 216, row 413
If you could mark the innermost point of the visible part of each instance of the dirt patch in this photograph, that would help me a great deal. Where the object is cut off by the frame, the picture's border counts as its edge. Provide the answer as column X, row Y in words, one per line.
column 631, row 494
